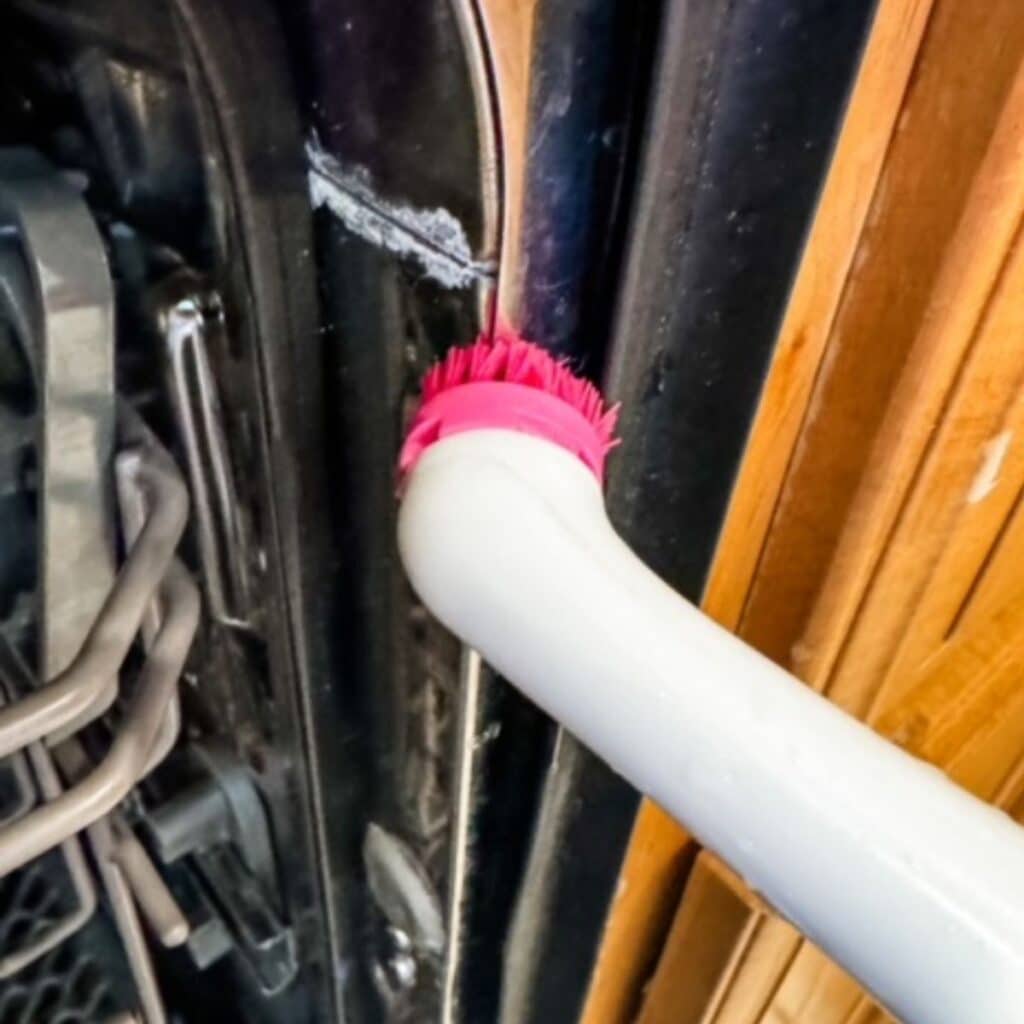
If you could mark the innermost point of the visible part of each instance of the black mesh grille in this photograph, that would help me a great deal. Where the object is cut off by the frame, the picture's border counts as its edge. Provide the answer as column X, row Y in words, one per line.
column 83, row 980
column 68, row 986
column 33, row 900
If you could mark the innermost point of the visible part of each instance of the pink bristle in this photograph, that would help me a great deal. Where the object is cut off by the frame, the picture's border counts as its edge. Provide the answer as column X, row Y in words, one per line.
column 608, row 422
column 458, row 368
column 492, row 366
column 478, row 356
column 520, row 362
column 507, row 357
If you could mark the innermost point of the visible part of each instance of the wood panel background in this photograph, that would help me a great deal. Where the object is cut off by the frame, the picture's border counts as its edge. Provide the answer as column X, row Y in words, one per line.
column 875, row 532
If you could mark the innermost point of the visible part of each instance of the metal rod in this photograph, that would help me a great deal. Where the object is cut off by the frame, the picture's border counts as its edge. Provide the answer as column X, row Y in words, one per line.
column 106, row 837
column 78, row 870
column 135, row 507
column 126, row 916
column 81, row 878
column 471, row 681
column 79, row 689
column 188, row 324
column 158, row 906
column 26, row 791
column 101, row 790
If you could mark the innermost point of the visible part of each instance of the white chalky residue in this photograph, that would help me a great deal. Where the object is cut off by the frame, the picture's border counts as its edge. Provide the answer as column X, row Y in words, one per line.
column 993, row 457
column 434, row 238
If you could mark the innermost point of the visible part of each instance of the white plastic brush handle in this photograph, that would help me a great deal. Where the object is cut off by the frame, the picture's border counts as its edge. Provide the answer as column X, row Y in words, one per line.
column 908, row 882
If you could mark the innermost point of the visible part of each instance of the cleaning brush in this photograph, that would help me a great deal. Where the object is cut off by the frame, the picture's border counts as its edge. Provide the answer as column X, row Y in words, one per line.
column 908, row 882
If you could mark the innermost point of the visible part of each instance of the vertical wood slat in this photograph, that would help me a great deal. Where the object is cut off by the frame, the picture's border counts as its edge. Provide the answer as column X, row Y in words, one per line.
column 990, row 745
column 827, row 261
column 939, row 493
column 999, row 580
column 508, row 27
column 657, row 862
column 967, row 64
column 972, row 269
column 888, row 597
column 759, row 971
column 783, row 979
column 711, row 931
column 923, row 515
column 868, row 125
column 812, row 990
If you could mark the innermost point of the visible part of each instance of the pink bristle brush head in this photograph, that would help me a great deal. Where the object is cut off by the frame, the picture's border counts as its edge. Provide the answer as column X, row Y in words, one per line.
column 508, row 383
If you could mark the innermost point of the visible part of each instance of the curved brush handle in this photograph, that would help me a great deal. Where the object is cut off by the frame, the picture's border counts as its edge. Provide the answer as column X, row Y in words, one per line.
column 908, row 882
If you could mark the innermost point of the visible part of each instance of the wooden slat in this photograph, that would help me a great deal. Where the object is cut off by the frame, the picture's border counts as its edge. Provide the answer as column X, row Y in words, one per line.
column 972, row 268
column 1015, row 808
column 651, row 882
column 867, row 1013
column 958, row 690
column 966, row 552
column 870, row 1014
column 913, row 546
column 812, row 990
column 940, row 478
column 715, row 923
column 967, row 67
column 825, row 266
column 1011, row 792
column 988, row 757
column 508, row 28
column 1000, row 580
column 965, row 714
column 868, row 126
column 758, row 969
column 892, row 505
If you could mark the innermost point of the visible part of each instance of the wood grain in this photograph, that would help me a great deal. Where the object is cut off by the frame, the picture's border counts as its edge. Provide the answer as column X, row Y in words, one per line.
column 714, row 925
column 875, row 530
column 656, row 865
column 929, row 514
column 948, row 470
column 967, row 66
column 971, row 269
column 827, row 260
column 868, row 126
column 813, row 990
column 758, row 970
column 508, row 28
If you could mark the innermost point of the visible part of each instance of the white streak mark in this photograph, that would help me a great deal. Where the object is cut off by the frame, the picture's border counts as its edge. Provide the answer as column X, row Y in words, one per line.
column 434, row 238
column 992, row 458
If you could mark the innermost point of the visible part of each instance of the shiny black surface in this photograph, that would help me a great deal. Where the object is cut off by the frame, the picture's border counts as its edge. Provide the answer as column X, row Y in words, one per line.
column 712, row 155
column 589, row 67
column 746, row 101
column 390, row 100
column 262, row 264
column 389, row 91
column 149, row 105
